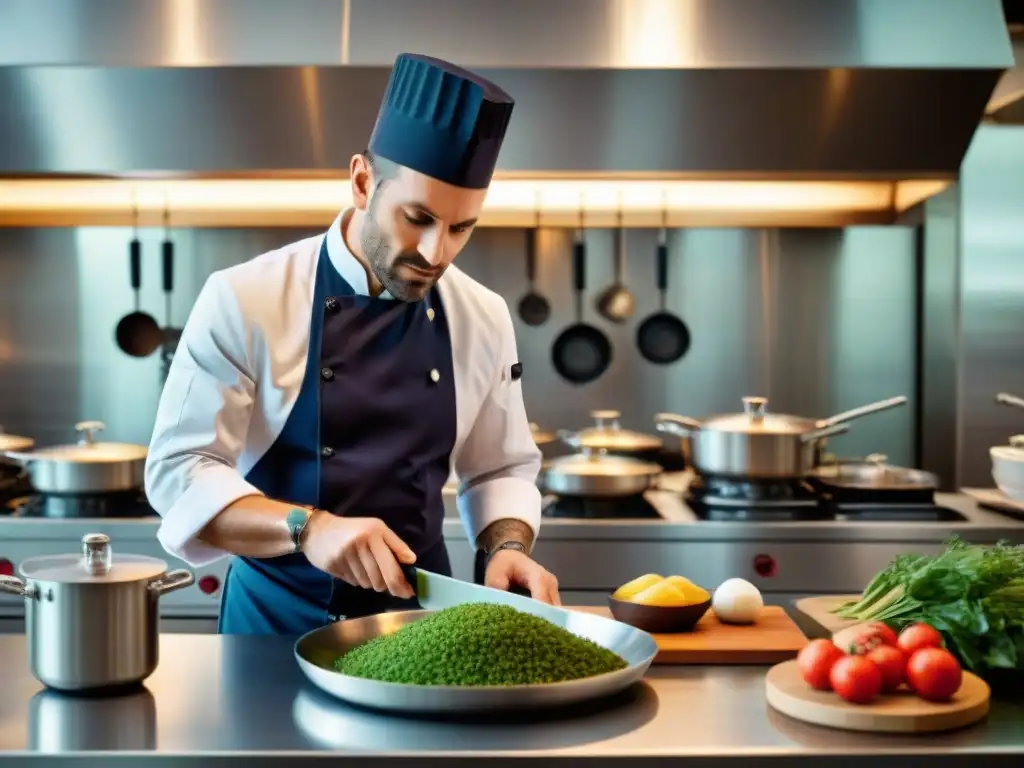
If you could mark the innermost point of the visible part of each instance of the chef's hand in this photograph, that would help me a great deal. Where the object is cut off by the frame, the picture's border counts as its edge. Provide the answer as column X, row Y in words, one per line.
column 509, row 568
column 362, row 551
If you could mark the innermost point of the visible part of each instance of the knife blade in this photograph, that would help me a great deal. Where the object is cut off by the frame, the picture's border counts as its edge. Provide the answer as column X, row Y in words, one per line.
column 435, row 592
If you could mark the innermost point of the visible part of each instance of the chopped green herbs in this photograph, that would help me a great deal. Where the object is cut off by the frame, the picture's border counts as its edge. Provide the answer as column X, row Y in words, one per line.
column 479, row 644
column 974, row 596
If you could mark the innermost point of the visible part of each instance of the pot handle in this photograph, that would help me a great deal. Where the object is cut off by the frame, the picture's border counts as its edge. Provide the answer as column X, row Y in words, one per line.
column 171, row 581
column 674, row 424
column 14, row 586
column 817, row 434
column 570, row 438
column 864, row 410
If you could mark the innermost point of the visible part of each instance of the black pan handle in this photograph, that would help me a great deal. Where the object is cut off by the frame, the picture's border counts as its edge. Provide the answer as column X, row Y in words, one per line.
column 531, row 255
column 579, row 266
column 662, row 267
column 135, row 263
column 167, row 251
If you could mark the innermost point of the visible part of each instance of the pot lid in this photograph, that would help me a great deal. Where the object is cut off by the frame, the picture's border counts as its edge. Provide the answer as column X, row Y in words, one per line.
column 607, row 434
column 540, row 437
column 598, row 463
column 755, row 418
column 97, row 564
column 87, row 450
column 14, row 442
column 874, row 472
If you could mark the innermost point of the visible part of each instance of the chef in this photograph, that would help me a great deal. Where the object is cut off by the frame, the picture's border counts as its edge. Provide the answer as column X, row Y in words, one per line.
column 322, row 392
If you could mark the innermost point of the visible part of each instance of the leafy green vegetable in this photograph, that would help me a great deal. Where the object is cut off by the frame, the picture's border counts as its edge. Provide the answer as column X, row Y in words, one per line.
column 972, row 594
column 479, row 644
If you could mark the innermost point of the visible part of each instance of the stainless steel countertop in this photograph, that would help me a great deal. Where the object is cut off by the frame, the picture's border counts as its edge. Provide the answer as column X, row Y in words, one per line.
column 245, row 697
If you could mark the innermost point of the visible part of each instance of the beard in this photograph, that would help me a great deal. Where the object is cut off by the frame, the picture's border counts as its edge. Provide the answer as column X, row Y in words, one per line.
column 387, row 266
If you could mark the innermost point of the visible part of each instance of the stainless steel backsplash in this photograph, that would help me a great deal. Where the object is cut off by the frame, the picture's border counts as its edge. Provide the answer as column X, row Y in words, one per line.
column 818, row 321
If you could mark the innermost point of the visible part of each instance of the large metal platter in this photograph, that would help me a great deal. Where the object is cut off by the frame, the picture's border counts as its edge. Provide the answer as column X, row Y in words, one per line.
column 316, row 652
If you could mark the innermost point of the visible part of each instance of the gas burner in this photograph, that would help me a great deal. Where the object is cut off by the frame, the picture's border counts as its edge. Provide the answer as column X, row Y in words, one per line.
column 13, row 485
column 81, row 506
column 617, row 508
column 750, row 494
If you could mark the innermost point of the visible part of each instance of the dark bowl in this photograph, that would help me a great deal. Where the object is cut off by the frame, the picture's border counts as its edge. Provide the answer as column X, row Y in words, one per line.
column 658, row 619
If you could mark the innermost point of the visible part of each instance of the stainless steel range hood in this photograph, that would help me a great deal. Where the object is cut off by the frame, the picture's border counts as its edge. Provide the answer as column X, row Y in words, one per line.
column 700, row 88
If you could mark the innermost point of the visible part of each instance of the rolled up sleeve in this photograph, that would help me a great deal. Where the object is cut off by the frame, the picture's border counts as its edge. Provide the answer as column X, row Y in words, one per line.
column 201, row 425
column 499, row 461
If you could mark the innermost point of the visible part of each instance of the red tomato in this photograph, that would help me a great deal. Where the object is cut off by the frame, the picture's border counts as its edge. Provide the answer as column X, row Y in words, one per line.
column 934, row 674
column 892, row 663
column 861, row 638
column 919, row 635
column 815, row 662
column 856, row 679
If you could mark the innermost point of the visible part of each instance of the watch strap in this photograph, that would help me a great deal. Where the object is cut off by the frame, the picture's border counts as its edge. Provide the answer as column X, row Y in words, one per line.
column 296, row 520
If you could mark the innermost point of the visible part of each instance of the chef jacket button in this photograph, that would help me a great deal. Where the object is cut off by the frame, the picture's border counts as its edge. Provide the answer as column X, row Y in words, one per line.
column 332, row 304
column 430, row 314
column 326, row 374
column 435, row 375
column 327, row 451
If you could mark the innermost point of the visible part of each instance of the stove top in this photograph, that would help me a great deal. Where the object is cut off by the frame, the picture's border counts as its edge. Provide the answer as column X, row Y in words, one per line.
column 618, row 508
column 724, row 499
column 80, row 506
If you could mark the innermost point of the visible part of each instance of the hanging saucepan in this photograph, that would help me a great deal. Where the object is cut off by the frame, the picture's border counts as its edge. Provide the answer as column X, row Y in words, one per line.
column 607, row 435
column 91, row 620
column 759, row 444
column 86, row 467
column 596, row 473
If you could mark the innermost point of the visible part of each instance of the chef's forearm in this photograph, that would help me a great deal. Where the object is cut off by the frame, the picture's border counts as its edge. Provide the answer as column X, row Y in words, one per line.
column 253, row 526
column 506, row 529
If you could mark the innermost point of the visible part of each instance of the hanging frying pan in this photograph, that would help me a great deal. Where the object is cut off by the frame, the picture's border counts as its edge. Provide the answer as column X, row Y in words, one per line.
column 581, row 352
column 137, row 333
column 663, row 337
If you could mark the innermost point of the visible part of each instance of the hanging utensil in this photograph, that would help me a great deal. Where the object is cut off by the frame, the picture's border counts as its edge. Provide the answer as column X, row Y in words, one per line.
column 581, row 352
column 534, row 309
column 616, row 303
column 663, row 337
column 137, row 333
column 171, row 335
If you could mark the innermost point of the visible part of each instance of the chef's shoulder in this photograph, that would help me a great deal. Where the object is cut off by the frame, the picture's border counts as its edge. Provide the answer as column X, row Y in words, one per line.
column 263, row 291
column 480, row 311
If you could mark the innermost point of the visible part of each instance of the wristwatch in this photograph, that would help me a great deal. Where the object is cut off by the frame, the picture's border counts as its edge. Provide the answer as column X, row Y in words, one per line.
column 296, row 520
column 516, row 545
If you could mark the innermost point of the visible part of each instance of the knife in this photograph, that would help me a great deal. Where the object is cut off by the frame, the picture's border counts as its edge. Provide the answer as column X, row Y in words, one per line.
column 435, row 592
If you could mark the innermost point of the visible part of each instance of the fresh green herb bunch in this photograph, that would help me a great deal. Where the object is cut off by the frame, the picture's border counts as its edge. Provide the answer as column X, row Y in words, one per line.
column 479, row 644
column 972, row 594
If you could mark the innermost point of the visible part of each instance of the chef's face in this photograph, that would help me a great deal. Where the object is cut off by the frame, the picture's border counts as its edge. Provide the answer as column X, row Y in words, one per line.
column 414, row 225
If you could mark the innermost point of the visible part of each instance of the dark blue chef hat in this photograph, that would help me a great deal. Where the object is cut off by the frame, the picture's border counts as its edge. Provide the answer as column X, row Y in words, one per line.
column 442, row 121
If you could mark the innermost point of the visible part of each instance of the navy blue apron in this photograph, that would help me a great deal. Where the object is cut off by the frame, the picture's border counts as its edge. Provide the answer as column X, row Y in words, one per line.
column 370, row 435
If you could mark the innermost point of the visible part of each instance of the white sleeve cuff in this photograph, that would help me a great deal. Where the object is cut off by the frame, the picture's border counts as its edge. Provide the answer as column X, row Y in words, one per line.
column 212, row 489
column 502, row 498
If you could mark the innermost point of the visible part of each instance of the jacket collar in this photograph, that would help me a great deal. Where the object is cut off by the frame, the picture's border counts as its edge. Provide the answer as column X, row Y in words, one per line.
column 343, row 260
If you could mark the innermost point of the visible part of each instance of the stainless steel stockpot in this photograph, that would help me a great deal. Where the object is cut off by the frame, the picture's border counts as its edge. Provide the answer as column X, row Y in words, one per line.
column 92, row 620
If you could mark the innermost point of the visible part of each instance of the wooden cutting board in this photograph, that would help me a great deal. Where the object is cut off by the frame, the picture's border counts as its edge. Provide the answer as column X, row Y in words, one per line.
column 819, row 610
column 902, row 712
column 993, row 498
column 772, row 639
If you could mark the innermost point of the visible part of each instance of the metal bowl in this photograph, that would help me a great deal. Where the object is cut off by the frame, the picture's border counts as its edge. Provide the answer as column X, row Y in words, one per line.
column 316, row 652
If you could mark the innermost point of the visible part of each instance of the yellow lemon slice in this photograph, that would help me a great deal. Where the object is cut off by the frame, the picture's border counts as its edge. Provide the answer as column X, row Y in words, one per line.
column 662, row 594
column 629, row 590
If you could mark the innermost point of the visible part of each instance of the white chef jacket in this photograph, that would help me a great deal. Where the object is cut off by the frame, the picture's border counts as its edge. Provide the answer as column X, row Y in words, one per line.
column 239, row 366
